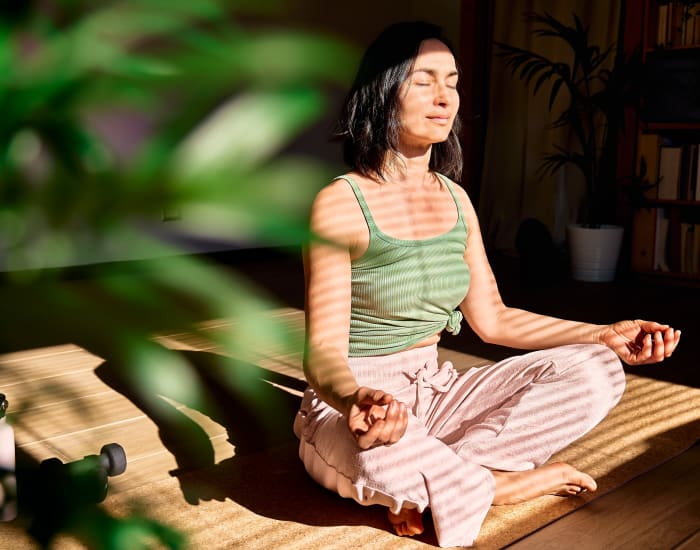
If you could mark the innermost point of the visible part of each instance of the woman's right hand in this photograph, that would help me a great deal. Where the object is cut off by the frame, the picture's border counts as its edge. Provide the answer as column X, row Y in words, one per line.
column 375, row 418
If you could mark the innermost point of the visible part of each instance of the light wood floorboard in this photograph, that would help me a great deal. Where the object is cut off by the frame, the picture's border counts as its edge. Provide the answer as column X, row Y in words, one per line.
column 657, row 511
column 691, row 543
column 64, row 409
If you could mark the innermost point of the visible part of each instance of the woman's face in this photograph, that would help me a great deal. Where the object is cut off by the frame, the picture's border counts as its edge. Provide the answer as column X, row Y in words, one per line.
column 428, row 99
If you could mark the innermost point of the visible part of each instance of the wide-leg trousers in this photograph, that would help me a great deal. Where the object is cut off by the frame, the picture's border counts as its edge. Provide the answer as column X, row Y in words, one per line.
column 512, row 416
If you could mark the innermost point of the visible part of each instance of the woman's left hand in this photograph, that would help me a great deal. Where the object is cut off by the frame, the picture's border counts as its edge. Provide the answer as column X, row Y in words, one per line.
column 376, row 418
column 641, row 342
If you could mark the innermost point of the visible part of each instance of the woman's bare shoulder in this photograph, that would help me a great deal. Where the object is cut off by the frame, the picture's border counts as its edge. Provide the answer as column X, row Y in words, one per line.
column 335, row 213
column 334, row 198
column 463, row 197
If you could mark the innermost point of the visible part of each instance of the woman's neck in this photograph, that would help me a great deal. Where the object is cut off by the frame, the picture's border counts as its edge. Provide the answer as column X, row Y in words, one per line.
column 408, row 169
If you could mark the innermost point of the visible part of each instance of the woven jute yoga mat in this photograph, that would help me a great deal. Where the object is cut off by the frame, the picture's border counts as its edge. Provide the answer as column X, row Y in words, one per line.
column 260, row 497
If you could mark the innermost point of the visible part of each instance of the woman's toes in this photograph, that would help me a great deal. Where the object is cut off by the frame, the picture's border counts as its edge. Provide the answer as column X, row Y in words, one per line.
column 407, row 522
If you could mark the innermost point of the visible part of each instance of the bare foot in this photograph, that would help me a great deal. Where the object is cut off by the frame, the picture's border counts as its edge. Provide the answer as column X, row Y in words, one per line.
column 557, row 478
column 407, row 522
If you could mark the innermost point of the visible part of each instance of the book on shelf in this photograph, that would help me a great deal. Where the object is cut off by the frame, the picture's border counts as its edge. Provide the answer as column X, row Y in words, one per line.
column 684, row 173
column 697, row 173
column 678, row 24
column 695, row 253
column 661, row 241
column 676, row 244
column 689, row 174
column 693, row 183
column 686, row 249
column 689, row 30
column 679, row 172
column 662, row 25
column 690, row 248
column 648, row 149
column 669, row 172
column 692, row 31
column 642, row 240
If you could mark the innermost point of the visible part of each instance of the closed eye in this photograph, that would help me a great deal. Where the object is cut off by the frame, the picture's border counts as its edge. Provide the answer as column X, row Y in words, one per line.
column 419, row 78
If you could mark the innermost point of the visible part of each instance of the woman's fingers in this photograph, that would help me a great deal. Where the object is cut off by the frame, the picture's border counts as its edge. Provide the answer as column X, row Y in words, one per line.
column 387, row 430
column 658, row 345
column 652, row 347
column 671, row 339
column 395, row 423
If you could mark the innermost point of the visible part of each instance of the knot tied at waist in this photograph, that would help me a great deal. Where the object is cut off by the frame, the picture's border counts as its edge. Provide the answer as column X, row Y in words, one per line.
column 438, row 381
column 454, row 322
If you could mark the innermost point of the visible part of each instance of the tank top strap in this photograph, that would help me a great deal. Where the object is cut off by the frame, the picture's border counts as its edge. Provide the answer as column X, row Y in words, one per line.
column 361, row 200
column 368, row 215
column 450, row 186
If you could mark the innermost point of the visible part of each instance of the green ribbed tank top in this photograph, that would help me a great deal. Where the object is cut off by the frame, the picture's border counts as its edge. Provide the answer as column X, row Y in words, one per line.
column 404, row 291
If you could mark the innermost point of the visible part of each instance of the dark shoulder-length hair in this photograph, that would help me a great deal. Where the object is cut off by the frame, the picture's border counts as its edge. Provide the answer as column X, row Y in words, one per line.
column 369, row 122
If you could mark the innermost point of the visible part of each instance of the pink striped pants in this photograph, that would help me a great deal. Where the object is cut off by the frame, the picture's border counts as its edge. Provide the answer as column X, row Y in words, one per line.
column 512, row 415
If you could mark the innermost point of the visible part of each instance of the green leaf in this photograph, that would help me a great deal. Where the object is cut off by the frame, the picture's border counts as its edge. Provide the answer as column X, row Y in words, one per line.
column 246, row 130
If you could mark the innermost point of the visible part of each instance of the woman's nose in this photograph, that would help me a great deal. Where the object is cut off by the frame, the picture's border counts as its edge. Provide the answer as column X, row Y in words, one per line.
column 442, row 96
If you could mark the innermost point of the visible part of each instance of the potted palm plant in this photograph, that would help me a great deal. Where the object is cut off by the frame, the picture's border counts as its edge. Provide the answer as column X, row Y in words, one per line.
column 592, row 84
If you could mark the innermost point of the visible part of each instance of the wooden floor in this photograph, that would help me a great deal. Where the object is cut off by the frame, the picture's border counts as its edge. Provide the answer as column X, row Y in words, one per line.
column 68, row 404
column 657, row 510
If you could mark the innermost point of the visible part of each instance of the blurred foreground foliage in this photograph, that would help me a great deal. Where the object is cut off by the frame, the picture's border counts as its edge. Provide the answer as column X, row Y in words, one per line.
column 116, row 113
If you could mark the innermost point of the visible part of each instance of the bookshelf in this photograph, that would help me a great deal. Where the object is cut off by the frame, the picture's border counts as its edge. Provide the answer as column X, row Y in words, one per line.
column 665, row 240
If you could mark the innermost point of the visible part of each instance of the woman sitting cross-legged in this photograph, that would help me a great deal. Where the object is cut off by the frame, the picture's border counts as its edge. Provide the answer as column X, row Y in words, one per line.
column 399, row 259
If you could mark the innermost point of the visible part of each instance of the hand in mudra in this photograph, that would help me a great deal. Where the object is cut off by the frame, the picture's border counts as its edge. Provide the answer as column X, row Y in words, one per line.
column 375, row 418
column 641, row 342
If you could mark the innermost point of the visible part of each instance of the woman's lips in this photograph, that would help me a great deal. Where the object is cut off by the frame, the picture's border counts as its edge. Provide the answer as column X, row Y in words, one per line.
column 440, row 119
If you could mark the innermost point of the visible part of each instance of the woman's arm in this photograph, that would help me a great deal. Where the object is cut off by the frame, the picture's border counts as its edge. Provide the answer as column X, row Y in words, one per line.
column 373, row 416
column 327, row 273
column 636, row 342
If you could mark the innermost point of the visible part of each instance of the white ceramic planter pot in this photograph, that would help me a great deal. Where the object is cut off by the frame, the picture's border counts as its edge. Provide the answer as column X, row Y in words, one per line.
column 594, row 252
